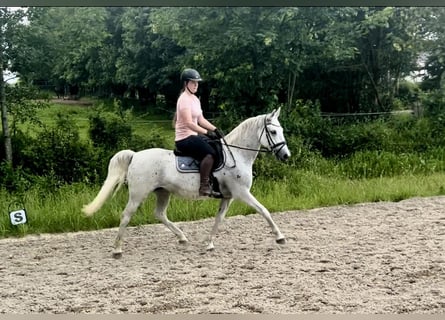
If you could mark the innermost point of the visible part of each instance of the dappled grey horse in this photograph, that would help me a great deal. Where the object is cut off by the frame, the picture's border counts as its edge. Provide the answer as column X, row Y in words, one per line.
column 155, row 170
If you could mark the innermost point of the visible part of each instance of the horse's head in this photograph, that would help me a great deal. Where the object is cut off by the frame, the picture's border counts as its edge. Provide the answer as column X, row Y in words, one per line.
column 272, row 136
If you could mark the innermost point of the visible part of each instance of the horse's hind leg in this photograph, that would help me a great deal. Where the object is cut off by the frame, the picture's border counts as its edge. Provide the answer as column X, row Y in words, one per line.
column 223, row 207
column 249, row 199
column 162, row 201
column 129, row 210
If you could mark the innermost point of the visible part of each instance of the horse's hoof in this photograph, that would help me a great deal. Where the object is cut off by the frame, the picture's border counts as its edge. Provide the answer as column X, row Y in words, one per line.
column 182, row 241
column 210, row 247
column 281, row 241
column 117, row 255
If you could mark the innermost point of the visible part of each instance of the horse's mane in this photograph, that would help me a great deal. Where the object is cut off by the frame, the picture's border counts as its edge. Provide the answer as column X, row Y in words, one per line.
column 244, row 127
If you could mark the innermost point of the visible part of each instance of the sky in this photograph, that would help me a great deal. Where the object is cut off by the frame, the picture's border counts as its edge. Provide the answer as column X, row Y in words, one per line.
column 9, row 77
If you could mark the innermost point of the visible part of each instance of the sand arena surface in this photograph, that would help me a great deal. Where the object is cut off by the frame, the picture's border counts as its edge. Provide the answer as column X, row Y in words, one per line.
column 368, row 258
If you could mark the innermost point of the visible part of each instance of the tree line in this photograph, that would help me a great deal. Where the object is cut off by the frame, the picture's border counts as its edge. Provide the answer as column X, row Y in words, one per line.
column 351, row 59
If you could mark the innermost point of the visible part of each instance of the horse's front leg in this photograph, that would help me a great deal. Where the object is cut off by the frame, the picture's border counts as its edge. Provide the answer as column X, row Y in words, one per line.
column 250, row 200
column 223, row 207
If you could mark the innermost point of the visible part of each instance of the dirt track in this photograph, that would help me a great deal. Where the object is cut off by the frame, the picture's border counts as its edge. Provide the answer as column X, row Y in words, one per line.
column 368, row 258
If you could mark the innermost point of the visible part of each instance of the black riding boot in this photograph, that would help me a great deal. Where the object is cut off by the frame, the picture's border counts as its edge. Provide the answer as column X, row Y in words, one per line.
column 205, row 168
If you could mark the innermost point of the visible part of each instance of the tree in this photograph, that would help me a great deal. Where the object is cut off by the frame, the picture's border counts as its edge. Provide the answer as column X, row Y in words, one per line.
column 10, row 31
column 231, row 49
column 372, row 50
column 350, row 59
column 146, row 57
column 434, row 54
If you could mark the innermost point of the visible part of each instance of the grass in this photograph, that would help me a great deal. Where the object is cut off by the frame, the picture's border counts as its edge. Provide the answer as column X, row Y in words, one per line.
column 60, row 211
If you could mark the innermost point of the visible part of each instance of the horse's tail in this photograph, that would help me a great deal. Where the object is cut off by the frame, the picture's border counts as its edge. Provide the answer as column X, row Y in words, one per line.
column 117, row 172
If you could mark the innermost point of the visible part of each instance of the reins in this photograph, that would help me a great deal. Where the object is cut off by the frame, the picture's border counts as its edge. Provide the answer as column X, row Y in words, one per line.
column 244, row 148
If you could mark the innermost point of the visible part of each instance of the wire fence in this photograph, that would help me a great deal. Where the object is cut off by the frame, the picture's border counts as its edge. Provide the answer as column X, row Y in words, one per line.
column 359, row 114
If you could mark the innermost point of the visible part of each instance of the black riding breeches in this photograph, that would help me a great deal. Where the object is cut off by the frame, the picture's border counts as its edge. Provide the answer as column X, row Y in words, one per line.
column 196, row 147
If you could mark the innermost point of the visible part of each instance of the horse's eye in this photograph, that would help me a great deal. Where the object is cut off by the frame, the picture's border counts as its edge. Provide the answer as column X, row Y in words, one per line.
column 273, row 132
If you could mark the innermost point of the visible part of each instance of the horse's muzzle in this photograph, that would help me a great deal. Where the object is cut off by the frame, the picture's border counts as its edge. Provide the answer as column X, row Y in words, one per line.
column 284, row 157
column 283, row 154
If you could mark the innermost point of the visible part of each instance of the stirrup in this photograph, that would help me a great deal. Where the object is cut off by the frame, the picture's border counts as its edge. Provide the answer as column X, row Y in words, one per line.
column 212, row 194
column 215, row 194
column 207, row 191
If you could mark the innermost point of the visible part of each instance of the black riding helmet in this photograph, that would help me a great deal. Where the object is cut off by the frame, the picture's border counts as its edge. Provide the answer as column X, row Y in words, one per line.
column 190, row 74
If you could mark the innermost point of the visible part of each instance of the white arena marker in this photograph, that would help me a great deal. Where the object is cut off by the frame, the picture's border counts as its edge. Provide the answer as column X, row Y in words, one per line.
column 18, row 217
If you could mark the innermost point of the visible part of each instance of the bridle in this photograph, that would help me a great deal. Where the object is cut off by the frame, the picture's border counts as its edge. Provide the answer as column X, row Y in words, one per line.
column 275, row 148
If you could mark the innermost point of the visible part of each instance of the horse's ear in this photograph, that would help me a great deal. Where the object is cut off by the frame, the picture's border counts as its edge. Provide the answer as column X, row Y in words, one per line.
column 270, row 116
column 275, row 113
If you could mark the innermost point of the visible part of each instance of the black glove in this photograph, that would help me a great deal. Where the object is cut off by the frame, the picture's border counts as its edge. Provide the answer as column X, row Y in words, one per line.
column 219, row 133
column 212, row 135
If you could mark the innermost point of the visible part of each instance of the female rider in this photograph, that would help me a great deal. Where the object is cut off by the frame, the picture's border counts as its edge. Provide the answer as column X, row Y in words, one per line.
column 191, row 125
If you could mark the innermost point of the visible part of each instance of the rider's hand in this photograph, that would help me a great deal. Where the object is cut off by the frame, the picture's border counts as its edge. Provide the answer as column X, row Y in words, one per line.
column 219, row 133
column 212, row 135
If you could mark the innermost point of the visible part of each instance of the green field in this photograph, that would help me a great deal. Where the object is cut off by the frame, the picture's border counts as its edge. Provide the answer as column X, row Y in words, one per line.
column 81, row 112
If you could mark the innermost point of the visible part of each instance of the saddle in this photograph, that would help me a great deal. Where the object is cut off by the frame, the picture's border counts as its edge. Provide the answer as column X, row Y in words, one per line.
column 188, row 164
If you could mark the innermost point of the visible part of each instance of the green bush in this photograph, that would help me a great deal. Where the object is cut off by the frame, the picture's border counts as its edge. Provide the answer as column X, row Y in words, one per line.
column 304, row 120
column 433, row 103
column 58, row 152
column 109, row 131
column 335, row 138
column 14, row 179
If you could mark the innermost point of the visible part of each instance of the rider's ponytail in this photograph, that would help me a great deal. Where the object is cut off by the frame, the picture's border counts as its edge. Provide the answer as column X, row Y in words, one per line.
column 175, row 117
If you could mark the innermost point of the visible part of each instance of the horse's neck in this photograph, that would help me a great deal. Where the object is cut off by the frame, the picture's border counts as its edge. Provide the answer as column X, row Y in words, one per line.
column 245, row 135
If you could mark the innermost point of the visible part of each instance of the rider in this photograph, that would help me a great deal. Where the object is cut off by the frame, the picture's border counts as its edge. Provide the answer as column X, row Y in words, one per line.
column 191, row 125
